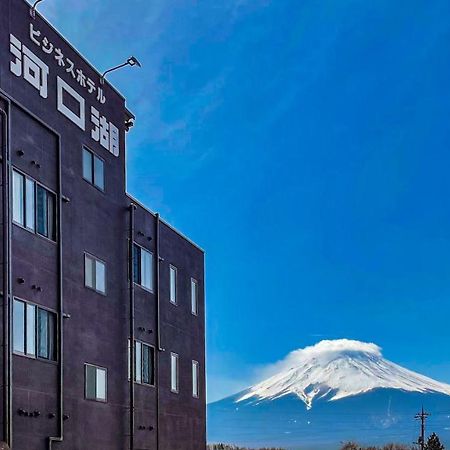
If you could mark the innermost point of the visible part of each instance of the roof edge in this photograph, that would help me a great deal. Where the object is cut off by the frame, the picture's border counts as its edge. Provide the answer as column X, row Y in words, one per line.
column 135, row 200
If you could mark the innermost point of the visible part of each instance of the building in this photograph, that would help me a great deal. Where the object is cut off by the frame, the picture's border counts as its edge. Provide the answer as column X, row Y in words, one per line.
column 86, row 269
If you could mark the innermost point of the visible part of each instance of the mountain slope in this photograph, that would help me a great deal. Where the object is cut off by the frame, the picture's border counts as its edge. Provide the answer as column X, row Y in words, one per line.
column 329, row 393
column 341, row 368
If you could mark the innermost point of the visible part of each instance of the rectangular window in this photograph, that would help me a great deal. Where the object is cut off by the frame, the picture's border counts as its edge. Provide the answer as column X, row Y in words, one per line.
column 19, row 329
column 143, row 267
column 95, row 383
column 173, row 285
column 195, row 379
column 94, row 274
column 138, row 362
column 93, row 169
column 30, row 204
column 148, row 365
column 174, row 372
column 31, row 330
column 194, row 296
column 46, row 333
column 34, row 331
column 34, row 207
column 18, row 198
column 144, row 363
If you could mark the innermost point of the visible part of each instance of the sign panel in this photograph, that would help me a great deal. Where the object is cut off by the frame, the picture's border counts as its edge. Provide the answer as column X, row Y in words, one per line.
column 42, row 61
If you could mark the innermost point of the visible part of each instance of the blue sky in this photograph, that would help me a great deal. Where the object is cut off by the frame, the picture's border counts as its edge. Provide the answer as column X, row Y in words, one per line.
column 306, row 146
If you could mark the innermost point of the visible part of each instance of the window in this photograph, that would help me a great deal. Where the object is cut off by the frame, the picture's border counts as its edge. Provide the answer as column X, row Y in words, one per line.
column 93, row 169
column 144, row 363
column 195, row 379
column 143, row 267
column 174, row 373
column 173, row 285
column 34, row 207
column 34, row 331
column 194, row 297
column 96, row 383
column 94, row 274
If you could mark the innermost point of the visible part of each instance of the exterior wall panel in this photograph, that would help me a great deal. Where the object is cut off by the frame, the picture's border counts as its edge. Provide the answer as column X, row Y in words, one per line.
column 96, row 327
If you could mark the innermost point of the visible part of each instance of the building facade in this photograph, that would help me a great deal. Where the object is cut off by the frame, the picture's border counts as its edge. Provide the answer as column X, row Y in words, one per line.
column 103, row 316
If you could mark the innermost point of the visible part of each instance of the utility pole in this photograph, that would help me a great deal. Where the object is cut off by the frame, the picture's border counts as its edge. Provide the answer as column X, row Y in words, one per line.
column 422, row 416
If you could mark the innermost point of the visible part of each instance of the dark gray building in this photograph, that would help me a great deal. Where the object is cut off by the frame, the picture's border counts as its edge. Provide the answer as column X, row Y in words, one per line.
column 103, row 318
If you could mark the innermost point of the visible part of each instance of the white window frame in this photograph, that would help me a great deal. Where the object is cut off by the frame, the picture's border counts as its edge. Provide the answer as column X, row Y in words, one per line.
column 152, row 268
column 194, row 297
column 175, row 366
column 92, row 180
column 23, row 222
column 95, row 260
column 34, row 354
column 195, row 379
column 152, row 350
column 97, row 369
column 173, row 288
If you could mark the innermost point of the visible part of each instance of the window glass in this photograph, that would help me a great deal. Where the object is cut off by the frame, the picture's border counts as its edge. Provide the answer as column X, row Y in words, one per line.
column 129, row 358
column 100, row 276
column 99, row 177
column 146, row 269
column 87, row 165
column 42, row 211
column 31, row 330
column 30, row 204
column 51, row 211
column 34, row 331
column 43, row 337
column 195, row 378
column 52, row 336
column 148, row 371
column 146, row 364
column 89, row 271
column 194, row 296
column 101, row 384
column 173, row 284
column 138, row 360
column 91, row 382
column 136, row 264
column 174, row 372
column 19, row 326
column 18, row 198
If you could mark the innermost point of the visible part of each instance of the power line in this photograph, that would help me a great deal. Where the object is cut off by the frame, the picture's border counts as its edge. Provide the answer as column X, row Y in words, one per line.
column 422, row 416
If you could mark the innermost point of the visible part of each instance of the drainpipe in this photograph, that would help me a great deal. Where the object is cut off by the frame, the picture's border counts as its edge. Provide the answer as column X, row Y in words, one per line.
column 132, row 324
column 7, row 275
column 60, row 343
column 160, row 349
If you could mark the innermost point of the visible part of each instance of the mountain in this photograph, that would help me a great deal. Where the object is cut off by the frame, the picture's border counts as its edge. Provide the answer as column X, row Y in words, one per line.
column 332, row 392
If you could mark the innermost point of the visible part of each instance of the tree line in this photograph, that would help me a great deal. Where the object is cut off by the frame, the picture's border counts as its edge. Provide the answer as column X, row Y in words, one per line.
column 232, row 447
column 433, row 443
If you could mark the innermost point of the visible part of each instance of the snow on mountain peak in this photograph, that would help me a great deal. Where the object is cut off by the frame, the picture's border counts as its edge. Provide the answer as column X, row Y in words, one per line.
column 338, row 369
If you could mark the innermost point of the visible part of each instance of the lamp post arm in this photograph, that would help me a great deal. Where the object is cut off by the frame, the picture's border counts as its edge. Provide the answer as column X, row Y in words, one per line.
column 102, row 79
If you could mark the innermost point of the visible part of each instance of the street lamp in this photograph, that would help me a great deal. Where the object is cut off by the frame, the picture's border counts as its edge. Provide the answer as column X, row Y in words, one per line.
column 131, row 61
column 33, row 8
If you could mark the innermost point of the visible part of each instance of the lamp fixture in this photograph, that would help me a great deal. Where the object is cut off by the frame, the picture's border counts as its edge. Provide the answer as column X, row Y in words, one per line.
column 33, row 8
column 131, row 61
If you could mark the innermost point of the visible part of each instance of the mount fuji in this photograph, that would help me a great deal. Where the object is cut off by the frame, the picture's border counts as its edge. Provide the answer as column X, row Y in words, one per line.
column 332, row 392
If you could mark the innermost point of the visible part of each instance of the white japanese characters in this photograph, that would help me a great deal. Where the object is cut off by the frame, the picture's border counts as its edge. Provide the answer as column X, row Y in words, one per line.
column 69, row 66
column 28, row 65
column 25, row 64
column 105, row 132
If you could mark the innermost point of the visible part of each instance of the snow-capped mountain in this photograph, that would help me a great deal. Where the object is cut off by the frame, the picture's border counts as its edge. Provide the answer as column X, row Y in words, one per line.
column 334, row 391
column 339, row 369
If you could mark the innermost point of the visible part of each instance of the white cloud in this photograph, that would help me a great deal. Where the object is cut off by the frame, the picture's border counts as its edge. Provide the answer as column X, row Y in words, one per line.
column 322, row 349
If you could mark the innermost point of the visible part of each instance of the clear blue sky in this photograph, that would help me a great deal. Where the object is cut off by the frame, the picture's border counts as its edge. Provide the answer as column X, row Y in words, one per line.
column 306, row 146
